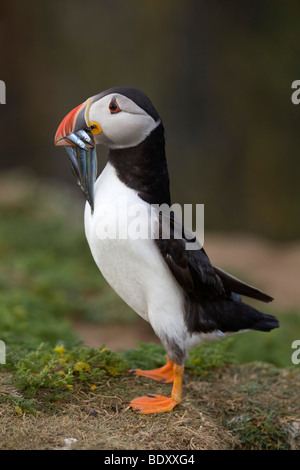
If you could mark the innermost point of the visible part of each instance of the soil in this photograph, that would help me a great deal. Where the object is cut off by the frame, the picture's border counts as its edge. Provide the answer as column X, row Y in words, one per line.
column 238, row 407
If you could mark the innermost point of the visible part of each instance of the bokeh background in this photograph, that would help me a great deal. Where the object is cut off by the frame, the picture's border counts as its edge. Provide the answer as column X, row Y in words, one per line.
column 219, row 74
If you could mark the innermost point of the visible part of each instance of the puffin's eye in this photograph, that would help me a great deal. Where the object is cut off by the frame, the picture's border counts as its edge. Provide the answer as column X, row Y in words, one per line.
column 113, row 106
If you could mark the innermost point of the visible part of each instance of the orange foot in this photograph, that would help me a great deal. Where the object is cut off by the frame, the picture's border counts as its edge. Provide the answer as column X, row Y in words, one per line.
column 164, row 374
column 152, row 404
column 158, row 403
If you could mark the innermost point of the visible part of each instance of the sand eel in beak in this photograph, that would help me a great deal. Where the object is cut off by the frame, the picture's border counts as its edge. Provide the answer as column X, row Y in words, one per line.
column 186, row 300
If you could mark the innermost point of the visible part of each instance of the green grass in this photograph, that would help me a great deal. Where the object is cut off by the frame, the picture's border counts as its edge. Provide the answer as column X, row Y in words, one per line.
column 59, row 370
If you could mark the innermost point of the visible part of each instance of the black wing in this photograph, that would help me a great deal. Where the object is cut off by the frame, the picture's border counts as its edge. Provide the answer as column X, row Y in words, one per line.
column 212, row 295
column 232, row 284
column 192, row 268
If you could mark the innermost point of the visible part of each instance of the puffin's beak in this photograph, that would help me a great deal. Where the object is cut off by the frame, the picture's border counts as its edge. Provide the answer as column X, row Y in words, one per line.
column 74, row 134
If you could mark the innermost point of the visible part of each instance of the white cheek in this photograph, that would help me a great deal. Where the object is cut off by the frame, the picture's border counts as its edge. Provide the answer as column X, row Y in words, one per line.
column 128, row 130
column 123, row 129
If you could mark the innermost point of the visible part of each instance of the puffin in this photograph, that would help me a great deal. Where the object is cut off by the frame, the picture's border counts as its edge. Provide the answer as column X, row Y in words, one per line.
column 186, row 299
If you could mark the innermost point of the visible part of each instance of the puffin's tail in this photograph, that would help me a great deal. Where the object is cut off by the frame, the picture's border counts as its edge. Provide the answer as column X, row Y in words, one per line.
column 264, row 322
column 236, row 315
column 226, row 315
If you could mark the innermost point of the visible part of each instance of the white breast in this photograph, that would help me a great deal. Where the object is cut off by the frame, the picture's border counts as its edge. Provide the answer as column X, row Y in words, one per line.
column 133, row 267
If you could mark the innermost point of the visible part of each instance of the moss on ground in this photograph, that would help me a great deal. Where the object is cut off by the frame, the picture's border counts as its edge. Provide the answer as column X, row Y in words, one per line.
column 234, row 407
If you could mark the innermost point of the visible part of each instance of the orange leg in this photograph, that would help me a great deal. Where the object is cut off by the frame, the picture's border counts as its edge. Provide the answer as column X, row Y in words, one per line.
column 164, row 374
column 158, row 403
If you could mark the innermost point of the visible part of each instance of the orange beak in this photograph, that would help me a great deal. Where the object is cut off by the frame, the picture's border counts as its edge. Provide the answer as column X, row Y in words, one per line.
column 74, row 133
column 75, row 120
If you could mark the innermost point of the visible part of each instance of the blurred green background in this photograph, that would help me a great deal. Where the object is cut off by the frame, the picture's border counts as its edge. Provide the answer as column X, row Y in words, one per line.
column 219, row 74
